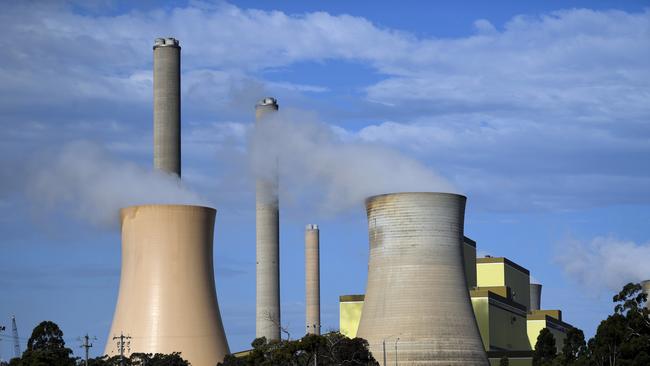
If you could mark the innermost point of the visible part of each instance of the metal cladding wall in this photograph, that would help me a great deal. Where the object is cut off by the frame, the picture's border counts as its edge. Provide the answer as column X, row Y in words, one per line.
column 167, row 105
column 535, row 296
column 312, row 279
column 417, row 303
column 167, row 300
column 267, row 245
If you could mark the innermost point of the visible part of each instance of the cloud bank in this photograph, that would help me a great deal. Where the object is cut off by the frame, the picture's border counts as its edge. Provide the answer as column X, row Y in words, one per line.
column 604, row 263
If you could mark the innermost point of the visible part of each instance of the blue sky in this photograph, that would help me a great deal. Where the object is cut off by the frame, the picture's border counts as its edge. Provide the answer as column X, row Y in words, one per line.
column 538, row 111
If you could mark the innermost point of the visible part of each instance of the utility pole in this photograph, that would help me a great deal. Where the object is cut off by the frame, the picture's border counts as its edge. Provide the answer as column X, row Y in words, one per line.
column 121, row 344
column 383, row 347
column 397, row 340
column 86, row 344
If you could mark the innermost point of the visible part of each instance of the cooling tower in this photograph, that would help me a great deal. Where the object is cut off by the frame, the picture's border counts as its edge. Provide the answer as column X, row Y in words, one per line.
column 417, row 309
column 645, row 288
column 312, row 279
column 267, row 237
column 167, row 105
column 167, row 300
column 535, row 296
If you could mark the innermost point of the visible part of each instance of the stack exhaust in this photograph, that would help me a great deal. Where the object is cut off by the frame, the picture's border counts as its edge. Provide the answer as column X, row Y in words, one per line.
column 167, row 105
column 535, row 296
column 167, row 300
column 312, row 279
column 417, row 309
column 267, row 242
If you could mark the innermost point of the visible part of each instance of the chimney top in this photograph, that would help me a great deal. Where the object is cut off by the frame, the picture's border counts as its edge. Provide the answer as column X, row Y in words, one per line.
column 312, row 227
column 166, row 42
column 268, row 101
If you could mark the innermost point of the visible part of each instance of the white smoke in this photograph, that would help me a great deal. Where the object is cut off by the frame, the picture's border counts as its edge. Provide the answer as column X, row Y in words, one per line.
column 85, row 180
column 317, row 166
column 604, row 263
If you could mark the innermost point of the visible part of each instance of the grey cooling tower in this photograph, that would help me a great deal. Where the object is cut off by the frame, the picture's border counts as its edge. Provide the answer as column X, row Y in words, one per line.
column 267, row 237
column 535, row 296
column 167, row 300
column 312, row 279
column 417, row 309
column 167, row 105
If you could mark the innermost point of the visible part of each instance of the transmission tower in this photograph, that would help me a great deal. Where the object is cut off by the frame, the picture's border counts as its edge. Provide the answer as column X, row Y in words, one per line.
column 86, row 344
column 14, row 331
column 122, row 342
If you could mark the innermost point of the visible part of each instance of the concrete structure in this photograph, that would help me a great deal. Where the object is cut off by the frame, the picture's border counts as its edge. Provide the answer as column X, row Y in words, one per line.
column 167, row 300
column 645, row 288
column 497, row 272
column 267, row 237
column 535, row 296
column 417, row 302
column 167, row 105
column 312, row 279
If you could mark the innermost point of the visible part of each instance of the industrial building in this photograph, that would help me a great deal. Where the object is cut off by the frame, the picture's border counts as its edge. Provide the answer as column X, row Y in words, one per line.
column 506, row 307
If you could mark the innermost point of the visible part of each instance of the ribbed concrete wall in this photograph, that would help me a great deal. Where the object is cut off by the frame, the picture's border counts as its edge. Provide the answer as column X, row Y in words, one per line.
column 535, row 296
column 416, row 296
column 312, row 279
column 167, row 300
column 267, row 237
column 167, row 105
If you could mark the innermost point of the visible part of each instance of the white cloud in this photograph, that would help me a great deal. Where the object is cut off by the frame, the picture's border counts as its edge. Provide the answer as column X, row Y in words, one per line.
column 604, row 263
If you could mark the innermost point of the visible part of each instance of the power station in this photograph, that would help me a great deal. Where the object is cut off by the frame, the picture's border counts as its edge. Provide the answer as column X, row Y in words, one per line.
column 428, row 300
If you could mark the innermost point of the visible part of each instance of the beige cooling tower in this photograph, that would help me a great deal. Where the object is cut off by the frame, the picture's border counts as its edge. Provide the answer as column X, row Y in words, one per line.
column 167, row 300
column 417, row 309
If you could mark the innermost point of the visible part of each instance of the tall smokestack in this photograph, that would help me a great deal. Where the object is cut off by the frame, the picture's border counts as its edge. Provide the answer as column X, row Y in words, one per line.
column 312, row 279
column 167, row 300
column 535, row 296
column 417, row 308
column 167, row 105
column 267, row 236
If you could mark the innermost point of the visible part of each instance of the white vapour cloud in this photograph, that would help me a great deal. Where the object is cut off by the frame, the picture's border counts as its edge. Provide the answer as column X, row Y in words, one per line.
column 316, row 166
column 604, row 263
column 83, row 179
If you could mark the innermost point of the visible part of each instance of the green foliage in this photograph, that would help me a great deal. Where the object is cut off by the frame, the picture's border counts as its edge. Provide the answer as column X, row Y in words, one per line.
column 545, row 350
column 46, row 347
column 141, row 359
column 328, row 350
column 504, row 361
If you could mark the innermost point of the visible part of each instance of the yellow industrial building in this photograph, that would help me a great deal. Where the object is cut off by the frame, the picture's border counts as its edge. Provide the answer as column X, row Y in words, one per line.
column 500, row 291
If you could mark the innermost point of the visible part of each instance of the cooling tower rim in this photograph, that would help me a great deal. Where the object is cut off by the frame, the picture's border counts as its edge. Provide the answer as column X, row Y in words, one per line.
column 429, row 194
column 125, row 210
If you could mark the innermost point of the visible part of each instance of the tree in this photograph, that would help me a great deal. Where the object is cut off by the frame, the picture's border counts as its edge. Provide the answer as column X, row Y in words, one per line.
column 141, row 359
column 328, row 350
column 574, row 350
column 504, row 361
column 545, row 349
column 46, row 347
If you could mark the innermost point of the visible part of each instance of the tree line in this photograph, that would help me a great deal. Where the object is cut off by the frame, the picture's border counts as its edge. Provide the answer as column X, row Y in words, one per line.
column 622, row 339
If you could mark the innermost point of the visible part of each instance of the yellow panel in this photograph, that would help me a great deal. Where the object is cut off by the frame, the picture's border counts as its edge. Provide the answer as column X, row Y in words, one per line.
column 350, row 315
column 490, row 274
column 536, row 326
column 481, row 312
